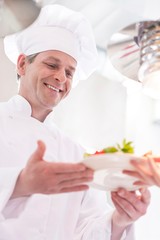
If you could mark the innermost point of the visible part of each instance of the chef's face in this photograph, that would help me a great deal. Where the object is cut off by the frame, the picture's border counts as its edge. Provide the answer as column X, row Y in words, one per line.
column 47, row 79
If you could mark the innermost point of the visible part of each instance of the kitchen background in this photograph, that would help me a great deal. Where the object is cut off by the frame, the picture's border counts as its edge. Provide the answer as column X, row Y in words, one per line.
column 108, row 106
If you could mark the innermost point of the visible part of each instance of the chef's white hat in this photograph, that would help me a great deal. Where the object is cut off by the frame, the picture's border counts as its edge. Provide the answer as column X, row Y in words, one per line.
column 57, row 28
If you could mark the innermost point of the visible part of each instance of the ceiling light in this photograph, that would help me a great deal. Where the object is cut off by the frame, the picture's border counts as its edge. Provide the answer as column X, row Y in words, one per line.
column 11, row 18
column 149, row 70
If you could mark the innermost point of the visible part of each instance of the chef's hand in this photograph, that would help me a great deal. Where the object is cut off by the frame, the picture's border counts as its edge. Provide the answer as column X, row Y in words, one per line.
column 129, row 207
column 40, row 176
column 146, row 170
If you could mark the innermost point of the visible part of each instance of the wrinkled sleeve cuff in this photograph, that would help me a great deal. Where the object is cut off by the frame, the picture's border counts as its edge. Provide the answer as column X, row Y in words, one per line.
column 128, row 234
column 124, row 235
column 8, row 178
column 104, row 224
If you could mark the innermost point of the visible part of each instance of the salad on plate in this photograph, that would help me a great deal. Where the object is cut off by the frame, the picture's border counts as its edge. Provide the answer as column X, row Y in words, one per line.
column 109, row 164
column 125, row 147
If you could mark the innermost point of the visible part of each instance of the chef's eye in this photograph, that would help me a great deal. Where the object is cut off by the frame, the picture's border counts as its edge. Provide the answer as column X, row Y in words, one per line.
column 53, row 66
column 69, row 74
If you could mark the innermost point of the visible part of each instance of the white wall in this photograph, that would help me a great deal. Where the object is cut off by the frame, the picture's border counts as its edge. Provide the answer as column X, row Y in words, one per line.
column 94, row 113
column 7, row 76
column 140, row 127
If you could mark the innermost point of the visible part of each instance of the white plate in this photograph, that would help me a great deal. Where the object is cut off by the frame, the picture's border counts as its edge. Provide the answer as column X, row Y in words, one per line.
column 108, row 168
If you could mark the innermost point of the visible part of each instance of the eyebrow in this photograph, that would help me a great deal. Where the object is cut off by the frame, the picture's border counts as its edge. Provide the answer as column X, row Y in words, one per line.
column 59, row 61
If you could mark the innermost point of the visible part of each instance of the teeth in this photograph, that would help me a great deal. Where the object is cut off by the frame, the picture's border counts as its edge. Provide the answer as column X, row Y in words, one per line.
column 53, row 88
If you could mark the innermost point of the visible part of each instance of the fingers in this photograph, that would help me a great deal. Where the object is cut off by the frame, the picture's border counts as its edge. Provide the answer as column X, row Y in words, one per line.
column 145, row 195
column 152, row 164
column 119, row 209
column 142, row 172
column 141, row 167
column 130, row 206
column 39, row 152
column 67, row 180
column 122, row 205
column 75, row 189
column 143, row 179
column 88, row 173
column 41, row 147
column 55, row 181
column 131, row 202
column 132, row 173
column 141, row 183
column 67, row 167
column 155, row 171
column 147, row 172
column 54, row 185
column 75, row 182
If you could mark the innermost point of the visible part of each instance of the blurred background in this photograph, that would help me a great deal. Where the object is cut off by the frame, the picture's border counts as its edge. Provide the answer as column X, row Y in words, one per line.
column 111, row 105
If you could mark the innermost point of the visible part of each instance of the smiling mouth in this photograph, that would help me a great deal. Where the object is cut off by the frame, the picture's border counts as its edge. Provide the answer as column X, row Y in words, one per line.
column 53, row 88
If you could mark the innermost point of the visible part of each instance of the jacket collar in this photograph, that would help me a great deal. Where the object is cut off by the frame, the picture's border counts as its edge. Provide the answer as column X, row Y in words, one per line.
column 20, row 105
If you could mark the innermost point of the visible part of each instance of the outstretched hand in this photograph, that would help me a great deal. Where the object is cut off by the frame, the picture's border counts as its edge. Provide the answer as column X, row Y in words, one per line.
column 147, row 171
column 40, row 176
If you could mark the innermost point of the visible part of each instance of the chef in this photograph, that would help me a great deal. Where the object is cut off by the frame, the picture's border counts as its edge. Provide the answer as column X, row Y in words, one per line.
column 43, row 186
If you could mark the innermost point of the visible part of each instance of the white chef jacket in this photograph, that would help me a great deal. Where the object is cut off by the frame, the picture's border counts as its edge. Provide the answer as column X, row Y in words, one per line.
column 81, row 215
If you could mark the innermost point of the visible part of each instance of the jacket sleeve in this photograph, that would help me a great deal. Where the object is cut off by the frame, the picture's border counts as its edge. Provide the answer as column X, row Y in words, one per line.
column 8, row 178
column 95, row 219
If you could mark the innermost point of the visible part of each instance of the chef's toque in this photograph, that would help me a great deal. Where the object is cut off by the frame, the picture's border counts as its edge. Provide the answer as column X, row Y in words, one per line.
column 57, row 28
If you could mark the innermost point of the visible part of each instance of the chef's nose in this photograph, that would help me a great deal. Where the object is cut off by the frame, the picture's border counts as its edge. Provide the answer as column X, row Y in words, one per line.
column 60, row 75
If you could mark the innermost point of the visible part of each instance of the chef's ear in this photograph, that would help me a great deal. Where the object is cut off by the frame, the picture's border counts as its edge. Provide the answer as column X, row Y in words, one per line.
column 21, row 64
